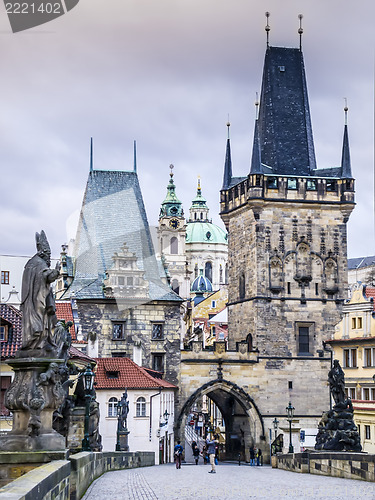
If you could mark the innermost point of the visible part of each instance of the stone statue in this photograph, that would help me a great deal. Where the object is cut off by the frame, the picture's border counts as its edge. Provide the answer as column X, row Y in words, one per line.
column 38, row 305
column 336, row 379
column 124, row 410
column 337, row 430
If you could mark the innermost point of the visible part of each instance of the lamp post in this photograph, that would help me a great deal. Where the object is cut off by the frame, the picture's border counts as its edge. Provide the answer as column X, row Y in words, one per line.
column 275, row 425
column 119, row 424
column 166, row 418
column 289, row 416
column 88, row 383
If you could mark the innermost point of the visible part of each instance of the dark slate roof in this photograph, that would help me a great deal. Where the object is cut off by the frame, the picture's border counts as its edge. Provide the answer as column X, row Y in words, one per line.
column 112, row 214
column 12, row 317
column 359, row 262
column 285, row 132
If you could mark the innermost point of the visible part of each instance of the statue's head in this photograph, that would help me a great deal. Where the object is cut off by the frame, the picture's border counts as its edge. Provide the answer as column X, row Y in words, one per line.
column 42, row 246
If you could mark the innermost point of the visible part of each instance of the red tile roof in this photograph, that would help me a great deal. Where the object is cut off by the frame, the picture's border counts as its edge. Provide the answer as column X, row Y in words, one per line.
column 370, row 293
column 13, row 316
column 64, row 311
column 130, row 375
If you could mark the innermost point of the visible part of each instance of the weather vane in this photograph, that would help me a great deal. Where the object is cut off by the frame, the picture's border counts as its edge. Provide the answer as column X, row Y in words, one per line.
column 346, row 110
column 300, row 30
column 267, row 28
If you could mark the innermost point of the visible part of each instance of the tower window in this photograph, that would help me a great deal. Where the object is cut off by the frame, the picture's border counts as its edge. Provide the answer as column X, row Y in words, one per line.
column 272, row 182
column 292, row 183
column 118, row 331
column 316, row 289
column 208, row 270
column 288, row 287
column 311, row 185
column 304, row 335
column 290, row 384
column 174, row 245
column 158, row 362
column 5, row 277
column 157, row 331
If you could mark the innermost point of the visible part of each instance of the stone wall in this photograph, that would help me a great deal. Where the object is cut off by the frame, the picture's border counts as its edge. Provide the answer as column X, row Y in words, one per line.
column 69, row 479
column 338, row 464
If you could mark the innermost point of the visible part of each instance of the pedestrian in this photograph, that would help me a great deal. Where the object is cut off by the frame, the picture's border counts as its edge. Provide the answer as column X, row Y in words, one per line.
column 204, row 454
column 211, row 448
column 195, row 449
column 178, row 449
column 259, row 457
column 252, row 455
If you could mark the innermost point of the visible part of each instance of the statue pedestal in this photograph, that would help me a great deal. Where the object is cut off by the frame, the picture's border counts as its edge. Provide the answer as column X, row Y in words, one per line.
column 76, row 428
column 123, row 439
column 33, row 396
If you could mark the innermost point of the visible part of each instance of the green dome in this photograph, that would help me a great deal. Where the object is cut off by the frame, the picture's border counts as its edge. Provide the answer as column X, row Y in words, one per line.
column 205, row 232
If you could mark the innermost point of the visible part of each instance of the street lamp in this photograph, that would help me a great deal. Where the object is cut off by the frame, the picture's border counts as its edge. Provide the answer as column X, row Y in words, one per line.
column 166, row 418
column 275, row 425
column 119, row 424
column 289, row 416
column 88, row 384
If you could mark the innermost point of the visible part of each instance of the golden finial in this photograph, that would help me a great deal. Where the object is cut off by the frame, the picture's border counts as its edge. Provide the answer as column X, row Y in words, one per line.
column 300, row 30
column 199, row 182
column 268, row 28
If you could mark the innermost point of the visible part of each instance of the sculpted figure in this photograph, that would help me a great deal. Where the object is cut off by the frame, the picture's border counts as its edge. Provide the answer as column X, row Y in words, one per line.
column 336, row 379
column 38, row 305
column 124, row 409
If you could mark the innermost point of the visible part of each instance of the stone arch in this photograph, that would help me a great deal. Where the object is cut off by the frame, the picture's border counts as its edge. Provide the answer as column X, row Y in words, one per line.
column 230, row 393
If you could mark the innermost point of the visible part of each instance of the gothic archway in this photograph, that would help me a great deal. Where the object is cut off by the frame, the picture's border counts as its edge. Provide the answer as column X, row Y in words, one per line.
column 244, row 424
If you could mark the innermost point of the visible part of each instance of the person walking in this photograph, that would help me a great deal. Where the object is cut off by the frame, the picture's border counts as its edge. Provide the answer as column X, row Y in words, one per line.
column 195, row 450
column 252, row 455
column 211, row 448
column 178, row 449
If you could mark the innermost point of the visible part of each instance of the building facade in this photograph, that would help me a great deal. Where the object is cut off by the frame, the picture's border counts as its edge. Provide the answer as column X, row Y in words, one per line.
column 353, row 344
column 287, row 271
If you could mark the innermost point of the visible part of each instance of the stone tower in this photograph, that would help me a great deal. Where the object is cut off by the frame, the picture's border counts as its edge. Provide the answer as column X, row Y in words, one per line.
column 287, row 224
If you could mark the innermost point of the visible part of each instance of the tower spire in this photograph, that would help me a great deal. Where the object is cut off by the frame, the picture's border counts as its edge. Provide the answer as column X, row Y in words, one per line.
column 91, row 156
column 171, row 206
column 135, row 156
column 300, row 30
column 228, row 163
column 268, row 29
column 346, row 169
column 256, row 166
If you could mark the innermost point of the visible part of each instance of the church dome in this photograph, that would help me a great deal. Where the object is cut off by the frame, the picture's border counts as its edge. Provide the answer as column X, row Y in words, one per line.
column 201, row 284
column 205, row 232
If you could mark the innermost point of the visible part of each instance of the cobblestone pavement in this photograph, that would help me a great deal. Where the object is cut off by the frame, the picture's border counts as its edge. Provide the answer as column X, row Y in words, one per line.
column 231, row 482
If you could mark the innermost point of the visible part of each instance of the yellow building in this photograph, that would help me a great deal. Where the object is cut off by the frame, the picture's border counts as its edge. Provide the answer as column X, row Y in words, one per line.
column 353, row 345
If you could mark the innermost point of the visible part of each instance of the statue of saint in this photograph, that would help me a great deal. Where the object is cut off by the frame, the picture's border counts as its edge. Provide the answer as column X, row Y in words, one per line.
column 336, row 379
column 38, row 304
column 124, row 409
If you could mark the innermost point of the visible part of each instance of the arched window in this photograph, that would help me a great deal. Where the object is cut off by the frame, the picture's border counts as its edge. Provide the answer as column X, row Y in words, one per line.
column 140, row 407
column 249, row 340
column 112, row 407
column 242, row 286
column 175, row 286
column 208, row 270
column 201, row 215
column 174, row 245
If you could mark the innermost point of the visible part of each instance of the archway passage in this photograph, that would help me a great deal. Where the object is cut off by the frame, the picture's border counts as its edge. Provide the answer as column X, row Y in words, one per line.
column 241, row 426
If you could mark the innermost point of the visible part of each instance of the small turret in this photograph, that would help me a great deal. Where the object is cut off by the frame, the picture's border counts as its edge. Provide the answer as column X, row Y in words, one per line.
column 228, row 164
column 171, row 206
column 346, row 169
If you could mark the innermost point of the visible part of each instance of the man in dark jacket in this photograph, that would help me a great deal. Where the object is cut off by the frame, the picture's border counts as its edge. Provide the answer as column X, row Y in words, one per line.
column 211, row 449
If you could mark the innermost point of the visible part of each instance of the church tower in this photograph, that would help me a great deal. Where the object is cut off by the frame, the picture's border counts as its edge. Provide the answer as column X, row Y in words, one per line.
column 287, row 223
column 171, row 240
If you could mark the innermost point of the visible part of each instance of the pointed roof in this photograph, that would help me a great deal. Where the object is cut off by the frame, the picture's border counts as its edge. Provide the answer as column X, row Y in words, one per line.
column 285, row 132
column 228, row 164
column 112, row 214
column 171, row 206
column 256, row 166
column 129, row 375
column 346, row 169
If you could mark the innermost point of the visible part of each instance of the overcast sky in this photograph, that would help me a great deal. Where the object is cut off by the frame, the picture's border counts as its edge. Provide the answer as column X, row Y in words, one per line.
column 167, row 73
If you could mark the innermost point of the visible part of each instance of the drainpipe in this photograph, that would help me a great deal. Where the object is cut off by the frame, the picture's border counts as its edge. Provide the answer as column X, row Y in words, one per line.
column 152, row 396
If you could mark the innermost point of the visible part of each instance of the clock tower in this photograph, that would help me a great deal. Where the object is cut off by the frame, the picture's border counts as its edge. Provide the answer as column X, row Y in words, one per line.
column 171, row 240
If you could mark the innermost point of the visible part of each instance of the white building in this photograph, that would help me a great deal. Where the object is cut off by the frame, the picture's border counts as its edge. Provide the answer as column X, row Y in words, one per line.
column 151, row 407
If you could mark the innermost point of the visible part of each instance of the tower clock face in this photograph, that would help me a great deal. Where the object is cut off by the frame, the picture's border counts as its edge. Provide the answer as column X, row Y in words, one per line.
column 174, row 223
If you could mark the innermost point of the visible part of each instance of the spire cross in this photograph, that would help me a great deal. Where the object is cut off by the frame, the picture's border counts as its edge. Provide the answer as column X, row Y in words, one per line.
column 267, row 28
column 228, row 125
column 171, row 166
column 300, row 30
column 346, row 110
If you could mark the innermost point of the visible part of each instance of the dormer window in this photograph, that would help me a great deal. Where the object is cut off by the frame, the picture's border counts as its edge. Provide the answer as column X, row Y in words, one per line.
column 112, row 374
